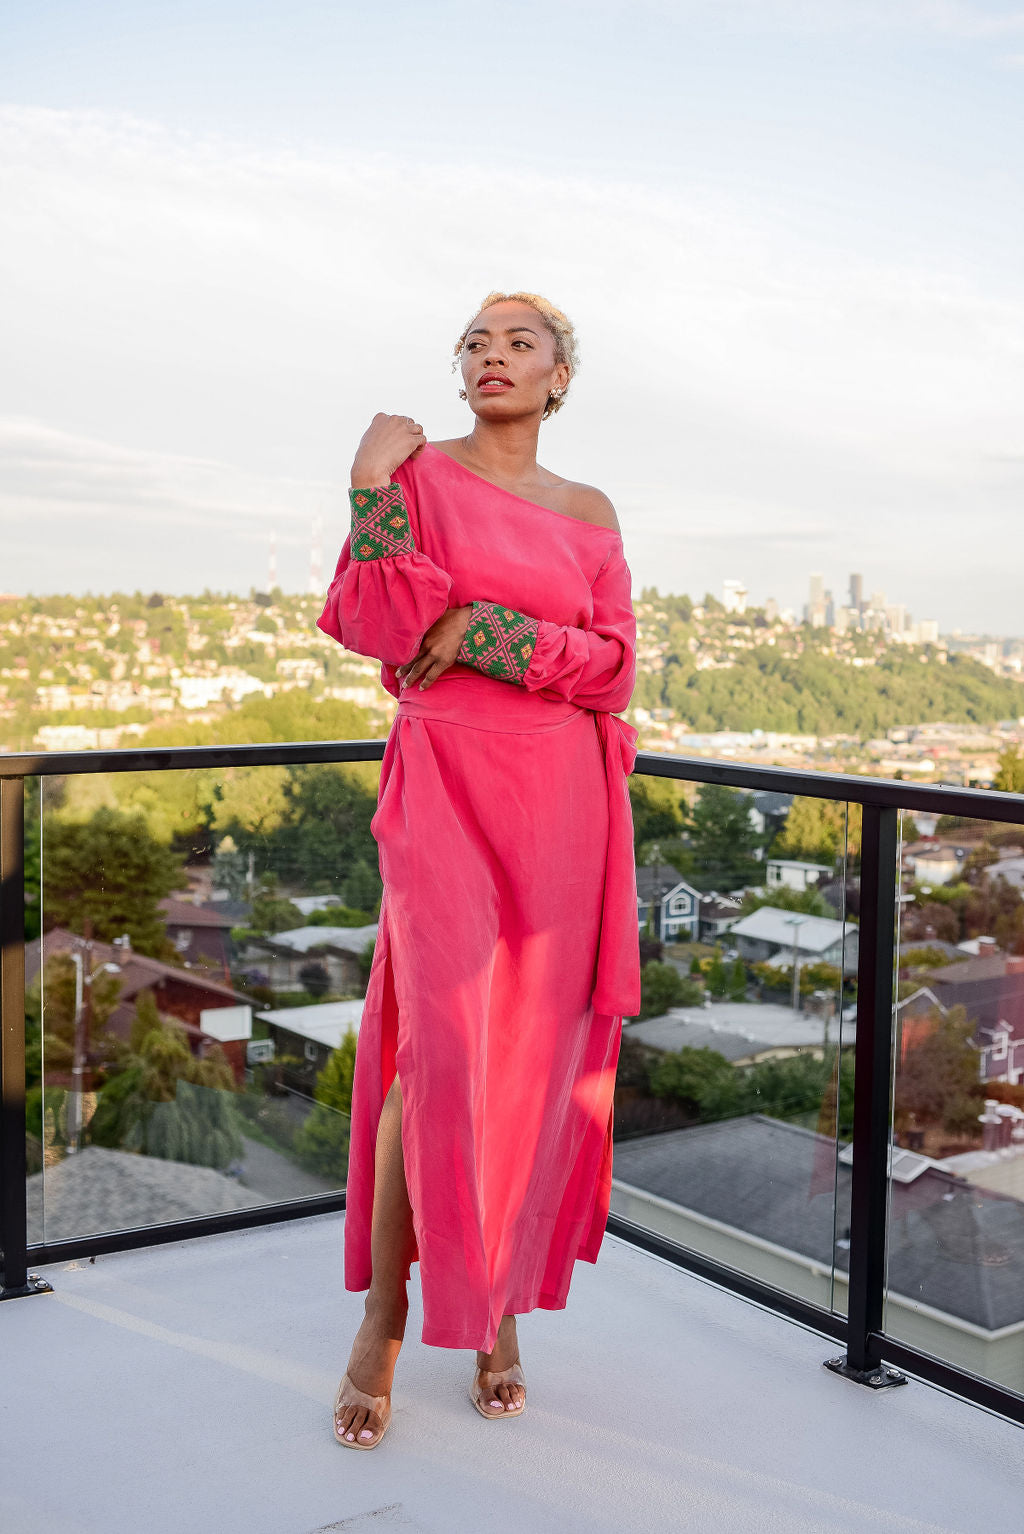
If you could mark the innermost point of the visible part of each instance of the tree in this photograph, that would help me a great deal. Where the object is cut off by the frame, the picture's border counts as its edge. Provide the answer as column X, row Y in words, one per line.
column 738, row 981
column 271, row 911
column 723, row 836
column 662, row 986
column 1010, row 771
column 656, row 813
column 816, row 831
column 161, row 1101
column 701, row 1078
column 811, row 900
column 938, row 1079
column 112, row 870
column 362, row 888
column 251, row 799
column 322, row 1142
column 314, row 978
column 717, row 976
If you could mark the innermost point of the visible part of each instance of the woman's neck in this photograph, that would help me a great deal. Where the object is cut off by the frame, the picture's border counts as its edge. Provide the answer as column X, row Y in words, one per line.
column 504, row 450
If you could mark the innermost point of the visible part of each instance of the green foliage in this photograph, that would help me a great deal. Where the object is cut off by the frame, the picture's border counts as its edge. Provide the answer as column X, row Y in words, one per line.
column 362, row 889
column 322, row 1142
column 809, row 900
column 271, row 912
column 662, row 986
column 816, row 831
column 339, row 916
column 656, row 810
column 161, row 1101
column 1010, row 773
column 737, row 989
column 717, row 976
column 723, row 837
column 789, row 1089
column 770, row 688
column 112, row 870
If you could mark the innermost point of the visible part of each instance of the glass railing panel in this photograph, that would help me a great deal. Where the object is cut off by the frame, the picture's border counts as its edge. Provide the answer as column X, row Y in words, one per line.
column 734, row 1096
column 955, row 1258
column 194, row 990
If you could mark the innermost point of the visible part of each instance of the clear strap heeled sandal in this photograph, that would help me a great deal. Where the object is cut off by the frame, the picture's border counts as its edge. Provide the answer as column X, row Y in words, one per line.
column 485, row 1388
column 349, row 1395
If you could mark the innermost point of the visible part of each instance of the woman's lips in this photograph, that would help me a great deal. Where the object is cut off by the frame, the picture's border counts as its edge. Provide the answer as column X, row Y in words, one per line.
column 495, row 384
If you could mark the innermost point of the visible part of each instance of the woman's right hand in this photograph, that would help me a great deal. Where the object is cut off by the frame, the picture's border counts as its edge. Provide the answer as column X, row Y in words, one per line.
column 388, row 441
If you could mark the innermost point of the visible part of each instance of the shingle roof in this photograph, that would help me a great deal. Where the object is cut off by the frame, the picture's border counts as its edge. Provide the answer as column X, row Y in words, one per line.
column 952, row 1245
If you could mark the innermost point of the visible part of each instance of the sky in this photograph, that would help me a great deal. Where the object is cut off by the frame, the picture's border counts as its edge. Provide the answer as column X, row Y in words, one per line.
column 790, row 235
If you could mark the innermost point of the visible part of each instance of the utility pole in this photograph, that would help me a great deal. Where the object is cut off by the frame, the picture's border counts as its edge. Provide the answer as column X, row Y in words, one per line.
column 796, row 922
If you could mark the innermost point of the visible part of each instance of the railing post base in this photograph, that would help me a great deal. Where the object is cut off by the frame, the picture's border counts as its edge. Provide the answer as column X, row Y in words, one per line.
column 32, row 1285
column 879, row 1378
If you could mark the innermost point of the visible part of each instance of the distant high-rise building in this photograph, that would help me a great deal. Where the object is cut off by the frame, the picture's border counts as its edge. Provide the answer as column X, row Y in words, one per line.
column 857, row 591
column 771, row 609
column 928, row 631
column 734, row 596
column 817, row 591
column 877, row 603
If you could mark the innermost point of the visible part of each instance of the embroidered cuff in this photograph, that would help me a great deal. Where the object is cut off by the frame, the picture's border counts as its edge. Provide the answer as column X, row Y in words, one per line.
column 380, row 523
column 499, row 641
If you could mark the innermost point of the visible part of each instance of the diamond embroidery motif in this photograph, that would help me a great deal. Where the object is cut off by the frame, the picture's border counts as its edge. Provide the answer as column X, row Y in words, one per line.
column 499, row 641
column 380, row 523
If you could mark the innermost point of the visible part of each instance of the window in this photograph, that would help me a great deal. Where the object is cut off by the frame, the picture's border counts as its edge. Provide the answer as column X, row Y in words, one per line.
column 999, row 1044
column 312, row 1050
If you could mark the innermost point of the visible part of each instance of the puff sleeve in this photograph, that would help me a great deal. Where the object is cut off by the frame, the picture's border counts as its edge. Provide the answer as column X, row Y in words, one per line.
column 594, row 667
column 385, row 593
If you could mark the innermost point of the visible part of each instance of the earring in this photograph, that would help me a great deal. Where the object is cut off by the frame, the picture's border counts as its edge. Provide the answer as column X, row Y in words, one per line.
column 557, row 393
column 463, row 394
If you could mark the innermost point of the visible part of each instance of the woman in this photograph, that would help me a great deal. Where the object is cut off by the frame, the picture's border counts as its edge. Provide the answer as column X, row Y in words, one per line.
column 497, row 597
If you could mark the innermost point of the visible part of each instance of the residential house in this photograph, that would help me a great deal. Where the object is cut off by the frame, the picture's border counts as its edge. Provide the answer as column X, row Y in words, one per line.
column 932, row 864
column 717, row 914
column 768, row 812
column 771, row 935
column 307, row 1034
column 792, row 874
column 279, row 958
column 200, row 933
column 991, row 989
column 208, row 1011
column 676, row 903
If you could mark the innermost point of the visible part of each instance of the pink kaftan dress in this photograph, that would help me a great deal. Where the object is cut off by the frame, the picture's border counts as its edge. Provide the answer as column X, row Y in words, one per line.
column 507, row 951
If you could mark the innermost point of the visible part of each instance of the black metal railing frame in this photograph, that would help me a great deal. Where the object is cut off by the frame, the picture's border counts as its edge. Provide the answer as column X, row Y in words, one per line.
column 870, row 1352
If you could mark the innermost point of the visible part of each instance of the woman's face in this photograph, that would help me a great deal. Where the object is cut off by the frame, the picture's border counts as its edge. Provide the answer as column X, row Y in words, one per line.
column 508, row 363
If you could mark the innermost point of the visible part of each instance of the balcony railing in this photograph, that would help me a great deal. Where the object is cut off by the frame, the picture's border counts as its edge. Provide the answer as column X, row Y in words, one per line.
column 843, row 1294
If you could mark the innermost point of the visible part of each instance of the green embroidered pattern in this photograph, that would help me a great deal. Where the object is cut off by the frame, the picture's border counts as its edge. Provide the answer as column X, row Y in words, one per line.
column 498, row 641
column 380, row 523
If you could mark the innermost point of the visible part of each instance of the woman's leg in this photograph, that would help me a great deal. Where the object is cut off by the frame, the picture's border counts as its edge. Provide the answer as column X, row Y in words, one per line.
column 504, row 1354
column 371, row 1364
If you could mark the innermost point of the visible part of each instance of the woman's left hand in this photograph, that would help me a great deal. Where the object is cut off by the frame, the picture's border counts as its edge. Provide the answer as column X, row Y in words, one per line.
column 439, row 648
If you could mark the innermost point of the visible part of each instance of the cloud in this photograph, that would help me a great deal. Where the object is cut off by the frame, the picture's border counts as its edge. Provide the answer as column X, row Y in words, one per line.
column 196, row 332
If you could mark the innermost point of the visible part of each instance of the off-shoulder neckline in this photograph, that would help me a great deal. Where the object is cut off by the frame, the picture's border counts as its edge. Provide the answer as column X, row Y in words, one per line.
column 564, row 515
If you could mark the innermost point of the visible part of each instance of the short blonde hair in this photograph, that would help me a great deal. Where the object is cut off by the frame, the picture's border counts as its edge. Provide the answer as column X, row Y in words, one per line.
column 558, row 325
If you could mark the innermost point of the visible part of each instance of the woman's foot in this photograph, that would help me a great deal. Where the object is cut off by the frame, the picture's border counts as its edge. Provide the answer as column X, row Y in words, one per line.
column 500, row 1396
column 371, row 1369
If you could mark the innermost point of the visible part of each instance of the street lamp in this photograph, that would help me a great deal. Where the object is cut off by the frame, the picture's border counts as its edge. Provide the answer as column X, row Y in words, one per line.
column 80, row 1042
column 796, row 922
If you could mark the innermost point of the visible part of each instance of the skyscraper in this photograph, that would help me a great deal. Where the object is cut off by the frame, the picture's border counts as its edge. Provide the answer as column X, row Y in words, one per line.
column 857, row 591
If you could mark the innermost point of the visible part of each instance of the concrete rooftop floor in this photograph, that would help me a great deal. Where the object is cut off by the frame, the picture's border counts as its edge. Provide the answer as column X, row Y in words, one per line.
column 189, row 1387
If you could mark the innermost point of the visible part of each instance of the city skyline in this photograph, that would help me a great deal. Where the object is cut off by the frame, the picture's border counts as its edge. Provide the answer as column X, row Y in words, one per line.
column 792, row 259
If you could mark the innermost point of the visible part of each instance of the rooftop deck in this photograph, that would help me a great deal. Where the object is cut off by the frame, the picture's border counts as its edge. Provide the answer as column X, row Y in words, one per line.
column 188, row 1386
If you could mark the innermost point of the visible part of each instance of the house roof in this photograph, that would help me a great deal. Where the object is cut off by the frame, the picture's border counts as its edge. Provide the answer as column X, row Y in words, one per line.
column 955, row 1246
column 137, row 970
column 771, row 924
column 103, row 1189
column 759, row 1026
column 768, row 802
column 656, row 879
column 302, row 939
column 326, row 1023
column 182, row 913
column 968, row 971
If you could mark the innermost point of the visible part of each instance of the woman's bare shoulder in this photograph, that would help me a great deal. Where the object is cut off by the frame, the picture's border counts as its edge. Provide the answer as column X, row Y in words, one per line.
column 590, row 505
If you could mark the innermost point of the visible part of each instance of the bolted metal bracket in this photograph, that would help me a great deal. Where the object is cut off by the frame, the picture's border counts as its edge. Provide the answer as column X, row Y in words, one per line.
column 33, row 1285
column 881, row 1377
